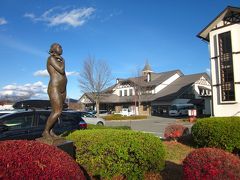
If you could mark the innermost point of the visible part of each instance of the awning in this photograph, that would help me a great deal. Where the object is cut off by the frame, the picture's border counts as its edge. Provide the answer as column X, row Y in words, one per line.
column 196, row 101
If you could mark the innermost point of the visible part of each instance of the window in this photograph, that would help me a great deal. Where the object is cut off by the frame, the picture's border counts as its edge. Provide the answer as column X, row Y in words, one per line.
column 125, row 92
column 120, row 92
column 130, row 92
column 67, row 119
column 19, row 122
column 43, row 119
column 226, row 67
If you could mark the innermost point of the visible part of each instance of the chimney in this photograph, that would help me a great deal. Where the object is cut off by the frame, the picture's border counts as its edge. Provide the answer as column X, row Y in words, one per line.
column 117, row 80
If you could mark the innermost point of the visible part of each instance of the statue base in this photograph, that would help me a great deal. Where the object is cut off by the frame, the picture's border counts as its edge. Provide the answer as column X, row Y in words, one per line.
column 63, row 144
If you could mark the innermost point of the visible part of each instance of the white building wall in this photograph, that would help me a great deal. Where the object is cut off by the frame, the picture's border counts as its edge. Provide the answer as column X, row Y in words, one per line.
column 166, row 83
column 122, row 88
column 203, row 83
column 225, row 108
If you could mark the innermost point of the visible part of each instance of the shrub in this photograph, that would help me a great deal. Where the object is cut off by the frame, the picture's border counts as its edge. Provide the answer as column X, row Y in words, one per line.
column 34, row 160
column 175, row 131
column 91, row 126
column 221, row 133
column 211, row 163
column 110, row 152
column 120, row 117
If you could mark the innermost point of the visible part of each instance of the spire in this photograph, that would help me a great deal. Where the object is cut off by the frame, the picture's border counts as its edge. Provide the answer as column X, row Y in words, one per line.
column 147, row 68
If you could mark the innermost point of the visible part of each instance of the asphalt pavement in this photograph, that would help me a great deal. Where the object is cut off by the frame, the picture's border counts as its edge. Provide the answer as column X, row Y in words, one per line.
column 153, row 124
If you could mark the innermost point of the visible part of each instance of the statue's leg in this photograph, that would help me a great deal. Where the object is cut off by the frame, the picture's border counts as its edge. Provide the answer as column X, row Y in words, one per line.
column 57, row 105
column 53, row 134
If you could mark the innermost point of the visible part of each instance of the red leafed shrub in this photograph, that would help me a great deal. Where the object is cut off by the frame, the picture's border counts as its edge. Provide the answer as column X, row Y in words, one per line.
column 211, row 163
column 34, row 160
column 174, row 131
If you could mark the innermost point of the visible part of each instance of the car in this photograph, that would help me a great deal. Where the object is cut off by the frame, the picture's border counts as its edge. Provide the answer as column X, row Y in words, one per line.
column 29, row 124
column 125, row 112
column 101, row 112
column 3, row 112
column 90, row 118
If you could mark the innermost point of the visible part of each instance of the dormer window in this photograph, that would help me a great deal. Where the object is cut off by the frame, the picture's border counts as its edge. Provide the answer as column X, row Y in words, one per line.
column 125, row 92
column 120, row 92
column 130, row 92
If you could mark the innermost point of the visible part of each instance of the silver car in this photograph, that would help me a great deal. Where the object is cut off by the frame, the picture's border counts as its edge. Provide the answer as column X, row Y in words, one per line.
column 90, row 118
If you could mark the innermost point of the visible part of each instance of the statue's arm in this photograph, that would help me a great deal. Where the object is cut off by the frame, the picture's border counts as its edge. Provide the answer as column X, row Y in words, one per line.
column 58, row 66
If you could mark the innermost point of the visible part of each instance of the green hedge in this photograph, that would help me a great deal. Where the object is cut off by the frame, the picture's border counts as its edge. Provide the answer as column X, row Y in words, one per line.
column 120, row 117
column 92, row 126
column 221, row 132
column 110, row 152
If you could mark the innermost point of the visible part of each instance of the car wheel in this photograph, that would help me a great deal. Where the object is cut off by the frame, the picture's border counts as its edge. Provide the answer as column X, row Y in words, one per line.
column 100, row 123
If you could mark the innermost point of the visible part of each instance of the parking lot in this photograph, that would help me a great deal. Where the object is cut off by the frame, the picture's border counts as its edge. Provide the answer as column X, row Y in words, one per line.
column 153, row 124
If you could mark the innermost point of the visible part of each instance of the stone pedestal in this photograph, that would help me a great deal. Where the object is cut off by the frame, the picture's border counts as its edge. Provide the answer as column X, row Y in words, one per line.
column 63, row 144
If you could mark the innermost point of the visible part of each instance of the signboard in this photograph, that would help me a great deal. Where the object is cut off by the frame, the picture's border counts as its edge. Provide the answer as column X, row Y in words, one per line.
column 192, row 112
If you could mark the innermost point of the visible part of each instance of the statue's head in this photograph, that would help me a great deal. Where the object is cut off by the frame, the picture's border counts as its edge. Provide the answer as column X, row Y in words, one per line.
column 55, row 49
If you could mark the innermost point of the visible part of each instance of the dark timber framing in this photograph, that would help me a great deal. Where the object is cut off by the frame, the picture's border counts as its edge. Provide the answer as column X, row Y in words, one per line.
column 226, row 67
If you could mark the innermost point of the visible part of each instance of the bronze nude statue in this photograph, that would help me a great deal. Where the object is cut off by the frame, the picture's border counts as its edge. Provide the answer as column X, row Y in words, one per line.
column 56, row 88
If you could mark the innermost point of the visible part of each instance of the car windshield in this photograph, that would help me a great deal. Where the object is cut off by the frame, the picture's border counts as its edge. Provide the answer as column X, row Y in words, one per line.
column 85, row 114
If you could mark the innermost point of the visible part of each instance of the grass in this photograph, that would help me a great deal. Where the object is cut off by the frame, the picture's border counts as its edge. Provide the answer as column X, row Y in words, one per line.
column 175, row 154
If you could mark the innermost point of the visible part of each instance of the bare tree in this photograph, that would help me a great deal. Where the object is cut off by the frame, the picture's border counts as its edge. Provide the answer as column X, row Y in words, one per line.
column 139, row 88
column 94, row 78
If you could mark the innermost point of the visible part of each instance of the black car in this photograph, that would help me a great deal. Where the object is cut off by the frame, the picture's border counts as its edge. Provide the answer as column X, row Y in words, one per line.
column 30, row 124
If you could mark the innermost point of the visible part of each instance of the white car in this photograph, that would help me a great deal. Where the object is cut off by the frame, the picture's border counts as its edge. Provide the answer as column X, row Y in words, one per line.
column 90, row 118
column 126, row 112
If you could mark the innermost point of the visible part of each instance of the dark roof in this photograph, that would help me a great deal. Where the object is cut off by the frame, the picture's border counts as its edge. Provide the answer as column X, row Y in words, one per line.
column 109, row 89
column 204, row 34
column 176, row 88
column 169, row 93
column 156, row 78
column 196, row 101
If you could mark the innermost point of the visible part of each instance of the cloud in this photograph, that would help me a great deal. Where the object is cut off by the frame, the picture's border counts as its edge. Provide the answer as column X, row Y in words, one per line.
column 44, row 73
column 3, row 21
column 74, row 17
column 72, row 73
column 28, row 91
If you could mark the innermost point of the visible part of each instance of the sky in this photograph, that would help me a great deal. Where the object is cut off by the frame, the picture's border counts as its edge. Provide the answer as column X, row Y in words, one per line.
column 124, row 33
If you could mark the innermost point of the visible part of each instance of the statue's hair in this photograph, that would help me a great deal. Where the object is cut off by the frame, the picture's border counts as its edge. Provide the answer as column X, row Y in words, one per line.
column 53, row 48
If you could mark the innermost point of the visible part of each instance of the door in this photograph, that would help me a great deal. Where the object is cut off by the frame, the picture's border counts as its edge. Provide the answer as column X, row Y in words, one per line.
column 18, row 126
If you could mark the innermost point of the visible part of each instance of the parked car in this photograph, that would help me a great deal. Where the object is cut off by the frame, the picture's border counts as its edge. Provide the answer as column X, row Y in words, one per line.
column 101, row 112
column 3, row 112
column 180, row 109
column 90, row 118
column 30, row 124
column 126, row 112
